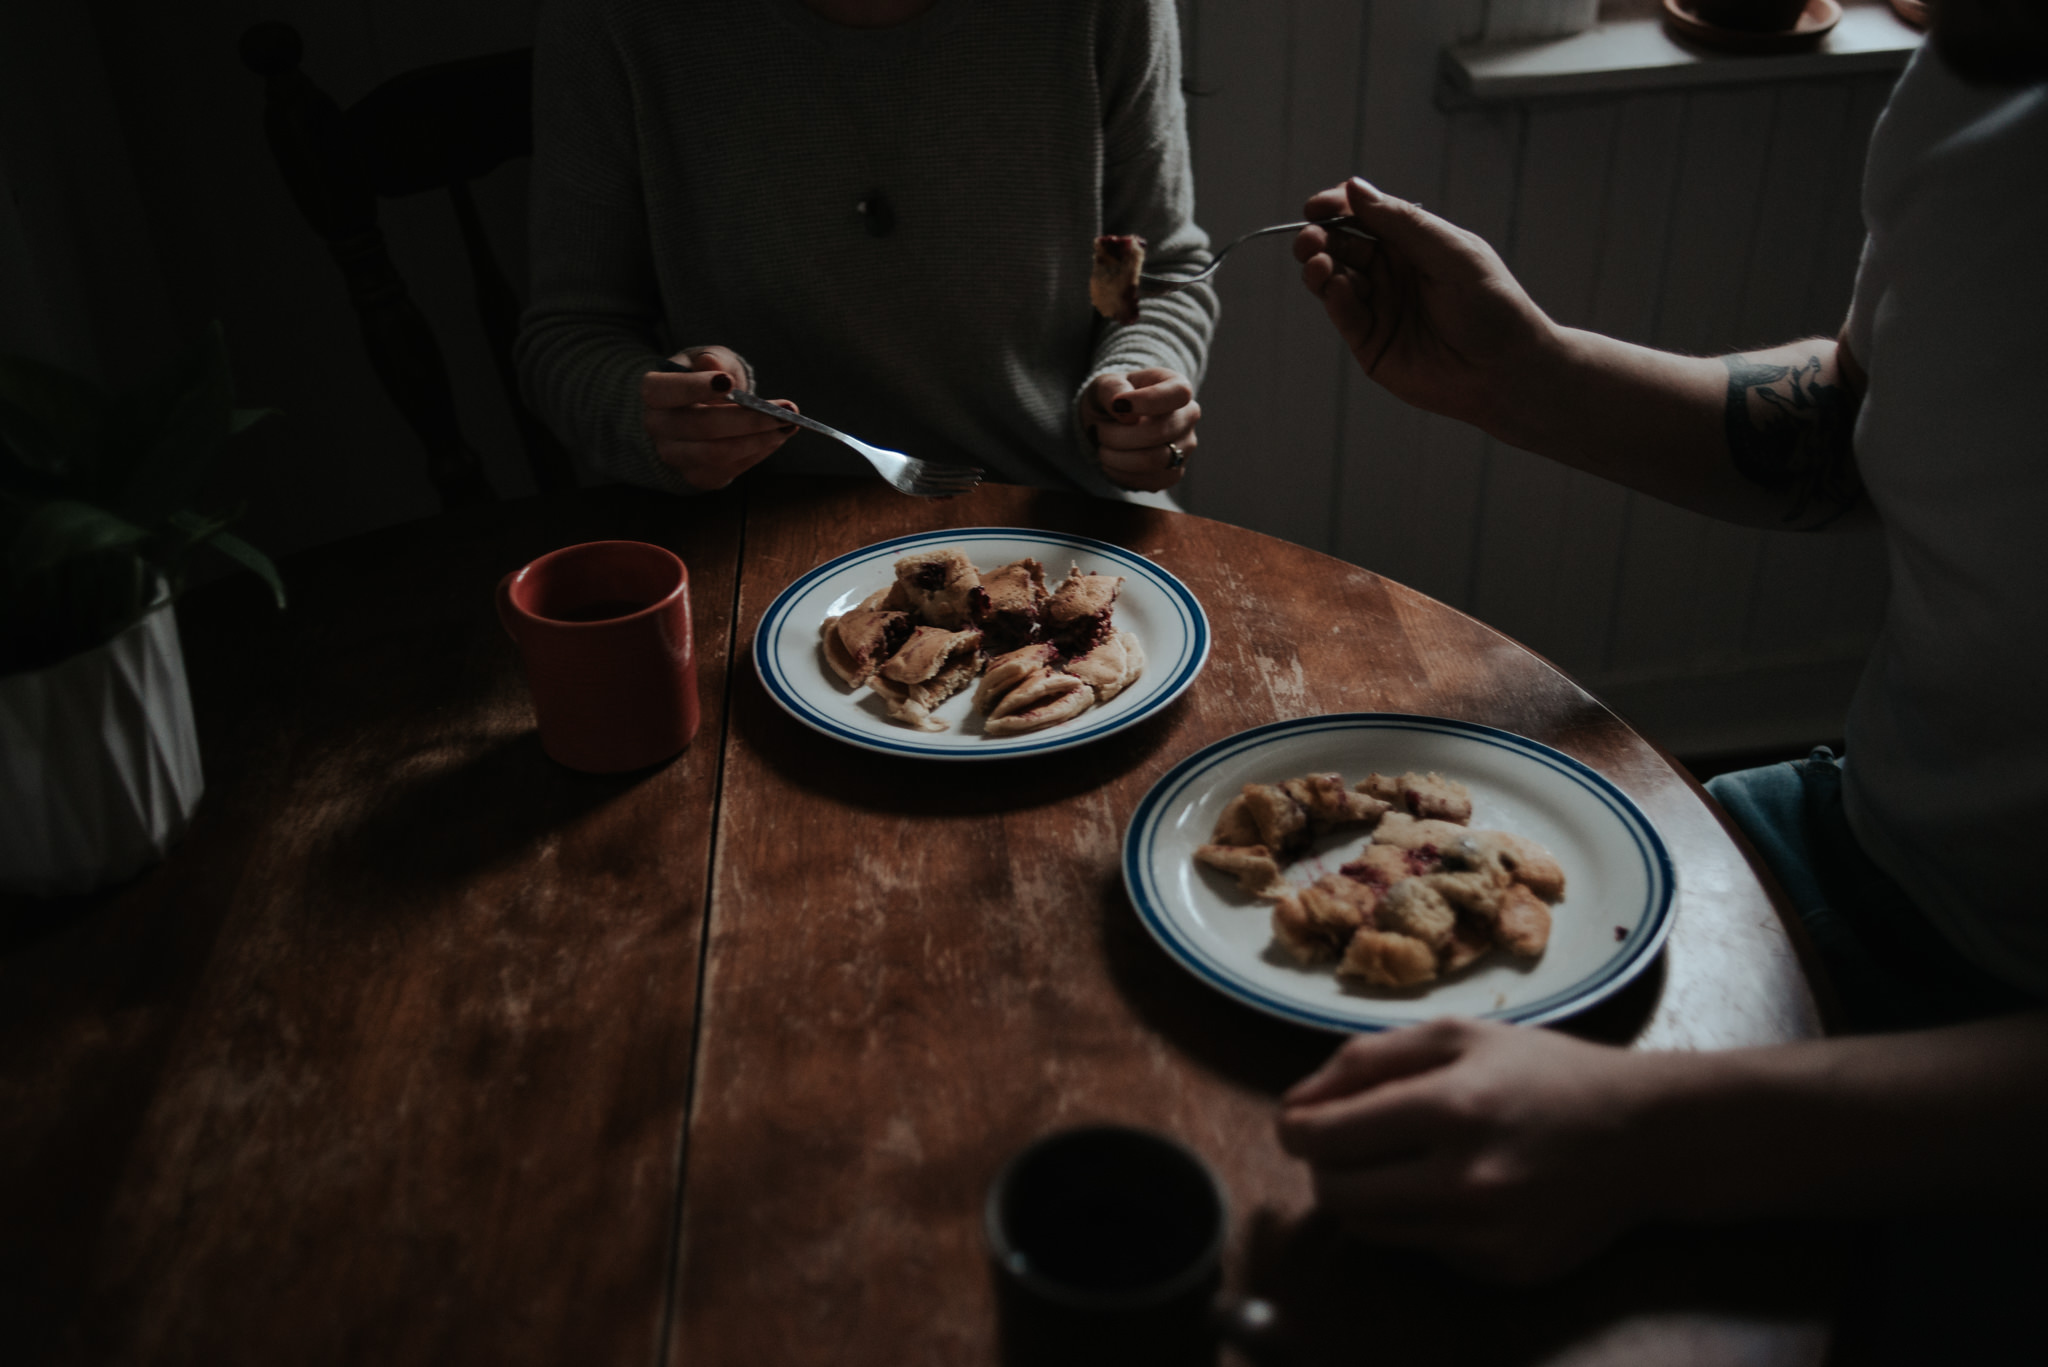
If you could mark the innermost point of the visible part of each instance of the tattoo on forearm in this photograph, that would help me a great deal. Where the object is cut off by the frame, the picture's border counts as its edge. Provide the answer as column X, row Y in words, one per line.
column 1788, row 430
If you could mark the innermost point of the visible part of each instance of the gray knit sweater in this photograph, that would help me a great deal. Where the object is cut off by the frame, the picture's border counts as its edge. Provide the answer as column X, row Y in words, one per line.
column 696, row 170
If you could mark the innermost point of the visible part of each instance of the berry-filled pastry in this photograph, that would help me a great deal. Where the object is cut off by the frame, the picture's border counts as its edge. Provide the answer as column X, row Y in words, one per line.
column 857, row 642
column 1077, row 616
column 932, row 666
column 1042, row 657
column 939, row 588
column 1014, row 613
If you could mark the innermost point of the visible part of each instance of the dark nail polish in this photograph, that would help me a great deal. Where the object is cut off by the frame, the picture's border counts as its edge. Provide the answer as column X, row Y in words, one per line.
column 1122, row 405
column 721, row 383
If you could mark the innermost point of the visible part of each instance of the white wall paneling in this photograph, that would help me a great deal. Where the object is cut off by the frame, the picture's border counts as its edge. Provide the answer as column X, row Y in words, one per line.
column 1703, row 220
column 1630, row 50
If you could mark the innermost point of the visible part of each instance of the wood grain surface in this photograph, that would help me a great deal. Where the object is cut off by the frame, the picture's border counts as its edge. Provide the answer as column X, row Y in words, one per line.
column 914, row 969
column 421, row 1049
column 388, row 1062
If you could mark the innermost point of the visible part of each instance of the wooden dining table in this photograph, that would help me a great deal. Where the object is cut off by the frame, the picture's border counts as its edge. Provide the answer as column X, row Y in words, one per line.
column 421, row 1048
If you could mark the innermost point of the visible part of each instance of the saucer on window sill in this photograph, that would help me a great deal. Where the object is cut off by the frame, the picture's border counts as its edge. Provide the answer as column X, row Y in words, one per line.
column 1819, row 18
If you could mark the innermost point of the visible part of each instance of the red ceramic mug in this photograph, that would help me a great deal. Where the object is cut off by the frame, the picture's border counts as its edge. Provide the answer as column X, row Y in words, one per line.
column 604, row 629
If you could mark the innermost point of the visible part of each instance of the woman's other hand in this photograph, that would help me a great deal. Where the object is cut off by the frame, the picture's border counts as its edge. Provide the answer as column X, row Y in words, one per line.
column 1429, row 310
column 1510, row 1151
column 700, row 435
column 1143, row 426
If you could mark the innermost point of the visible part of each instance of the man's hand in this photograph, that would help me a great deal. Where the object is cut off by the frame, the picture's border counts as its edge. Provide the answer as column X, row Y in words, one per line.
column 705, row 439
column 1429, row 310
column 1143, row 426
column 1511, row 1152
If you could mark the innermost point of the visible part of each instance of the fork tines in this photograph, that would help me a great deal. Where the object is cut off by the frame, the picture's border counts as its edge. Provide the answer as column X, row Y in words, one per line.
column 930, row 479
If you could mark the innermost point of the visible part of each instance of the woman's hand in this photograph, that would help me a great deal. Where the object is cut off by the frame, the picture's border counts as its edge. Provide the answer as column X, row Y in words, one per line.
column 1429, row 310
column 703, row 438
column 1512, row 1152
column 1143, row 426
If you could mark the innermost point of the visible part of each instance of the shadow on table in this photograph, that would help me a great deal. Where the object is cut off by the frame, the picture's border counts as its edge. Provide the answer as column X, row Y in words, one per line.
column 486, row 810
column 1250, row 1047
column 1752, row 1293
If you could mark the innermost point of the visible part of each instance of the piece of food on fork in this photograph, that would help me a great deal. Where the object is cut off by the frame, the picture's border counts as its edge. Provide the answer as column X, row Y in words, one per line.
column 1113, row 284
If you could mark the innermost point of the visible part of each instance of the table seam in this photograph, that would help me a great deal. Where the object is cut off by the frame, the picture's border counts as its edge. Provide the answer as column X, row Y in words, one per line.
column 672, row 1290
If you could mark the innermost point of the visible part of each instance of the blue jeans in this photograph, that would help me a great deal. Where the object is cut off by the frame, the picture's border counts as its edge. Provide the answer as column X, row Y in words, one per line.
column 1890, row 969
column 1935, row 1289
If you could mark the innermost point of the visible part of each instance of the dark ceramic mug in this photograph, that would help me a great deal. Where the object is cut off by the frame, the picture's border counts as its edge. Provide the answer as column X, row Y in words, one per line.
column 1107, row 1244
column 604, row 630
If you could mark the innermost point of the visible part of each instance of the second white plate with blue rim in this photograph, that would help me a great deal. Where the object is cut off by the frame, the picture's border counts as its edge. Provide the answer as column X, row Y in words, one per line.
column 1167, row 620
column 1620, row 885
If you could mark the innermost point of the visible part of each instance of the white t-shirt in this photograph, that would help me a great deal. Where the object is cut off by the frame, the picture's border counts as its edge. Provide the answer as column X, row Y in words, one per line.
column 1947, row 772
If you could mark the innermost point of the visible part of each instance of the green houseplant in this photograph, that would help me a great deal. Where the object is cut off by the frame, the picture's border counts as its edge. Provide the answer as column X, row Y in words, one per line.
column 104, row 500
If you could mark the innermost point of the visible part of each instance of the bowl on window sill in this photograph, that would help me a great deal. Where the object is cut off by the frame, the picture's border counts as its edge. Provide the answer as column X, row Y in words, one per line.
column 1707, row 24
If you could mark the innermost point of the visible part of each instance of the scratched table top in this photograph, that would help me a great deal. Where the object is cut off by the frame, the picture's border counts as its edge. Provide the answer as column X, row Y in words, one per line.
column 423, row 1049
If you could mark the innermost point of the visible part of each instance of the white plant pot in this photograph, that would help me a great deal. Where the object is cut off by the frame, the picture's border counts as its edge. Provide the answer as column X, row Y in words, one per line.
column 99, row 763
column 1521, row 20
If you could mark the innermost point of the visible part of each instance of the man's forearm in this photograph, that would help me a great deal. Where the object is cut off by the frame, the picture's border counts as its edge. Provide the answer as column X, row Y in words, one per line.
column 1761, row 437
column 1953, row 1119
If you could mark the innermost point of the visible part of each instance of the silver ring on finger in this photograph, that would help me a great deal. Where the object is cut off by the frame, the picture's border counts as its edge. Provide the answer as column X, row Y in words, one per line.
column 1175, row 457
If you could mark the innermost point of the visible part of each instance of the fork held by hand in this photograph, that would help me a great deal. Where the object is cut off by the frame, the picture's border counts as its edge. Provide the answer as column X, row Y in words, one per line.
column 1152, row 286
column 908, row 474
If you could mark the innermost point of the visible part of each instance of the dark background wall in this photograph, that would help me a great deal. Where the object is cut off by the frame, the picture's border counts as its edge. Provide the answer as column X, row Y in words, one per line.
column 138, row 200
column 151, row 205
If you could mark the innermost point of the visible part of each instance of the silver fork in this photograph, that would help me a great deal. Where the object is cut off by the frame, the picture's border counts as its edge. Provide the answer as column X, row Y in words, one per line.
column 1152, row 286
column 921, row 478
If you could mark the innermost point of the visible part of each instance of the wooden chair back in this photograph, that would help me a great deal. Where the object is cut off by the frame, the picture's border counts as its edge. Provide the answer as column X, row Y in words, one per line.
column 437, row 128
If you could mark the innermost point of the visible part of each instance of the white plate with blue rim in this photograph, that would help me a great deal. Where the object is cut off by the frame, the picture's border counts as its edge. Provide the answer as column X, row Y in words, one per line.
column 1620, row 886
column 1153, row 605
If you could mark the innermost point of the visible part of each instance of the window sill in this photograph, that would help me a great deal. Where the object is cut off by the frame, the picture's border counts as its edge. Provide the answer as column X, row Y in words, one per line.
column 1639, row 55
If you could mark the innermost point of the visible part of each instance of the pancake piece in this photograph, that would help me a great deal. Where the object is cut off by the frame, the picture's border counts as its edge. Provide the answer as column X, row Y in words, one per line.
column 1044, row 699
column 1431, row 797
column 1111, row 667
column 1006, row 672
column 1414, row 908
column 1016, row 605
column 857, row 642
column 1234, row 824
column 932, row 666
column 1423, row 837
column 1329, row 805
column 1385, row 865
column 1523, row 927
column 1253, row 866
column 1316, row 924
column 940, row 588
column 1281, row 821
column 1077, row 616
column 1381, row 958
